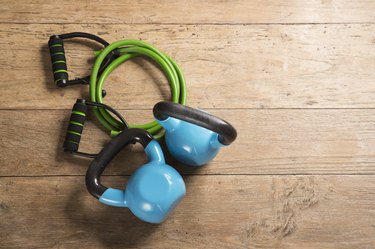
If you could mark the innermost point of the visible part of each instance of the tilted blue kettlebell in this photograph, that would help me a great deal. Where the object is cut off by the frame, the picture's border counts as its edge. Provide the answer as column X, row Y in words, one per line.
column 193, row 137
column 153, row 190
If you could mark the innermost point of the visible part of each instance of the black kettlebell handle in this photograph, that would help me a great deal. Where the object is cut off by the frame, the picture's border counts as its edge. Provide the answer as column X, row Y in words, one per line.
column 106, row 155
column 227, row 133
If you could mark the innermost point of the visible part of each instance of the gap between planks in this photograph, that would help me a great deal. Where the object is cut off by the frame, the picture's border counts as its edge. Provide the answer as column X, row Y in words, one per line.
column 205, row 108
column 195, row 175
column 194, row 24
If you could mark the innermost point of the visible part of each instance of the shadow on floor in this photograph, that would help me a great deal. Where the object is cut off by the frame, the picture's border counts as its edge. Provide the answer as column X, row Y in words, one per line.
column 113, row 227
column 110, row 225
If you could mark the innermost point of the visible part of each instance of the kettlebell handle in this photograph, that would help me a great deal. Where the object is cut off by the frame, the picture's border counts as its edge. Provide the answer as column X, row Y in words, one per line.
column 227, row 133
column 106, row 155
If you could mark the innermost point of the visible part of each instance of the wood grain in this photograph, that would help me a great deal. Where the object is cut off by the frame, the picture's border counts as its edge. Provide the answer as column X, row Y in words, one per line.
column 262, row 66
column 218, row 212
column 269, row 142
column 296, row 78
column 218, row 12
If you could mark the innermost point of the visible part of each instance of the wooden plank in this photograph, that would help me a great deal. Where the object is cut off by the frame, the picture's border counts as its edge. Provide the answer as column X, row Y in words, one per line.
column 272, row 11
column 228, row 66
column 218, row 212
column 269, row 142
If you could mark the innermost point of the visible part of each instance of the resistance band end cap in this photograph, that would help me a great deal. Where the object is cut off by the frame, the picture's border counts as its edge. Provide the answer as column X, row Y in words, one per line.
column 80, row 101
column 61, row 83
column 54, row 36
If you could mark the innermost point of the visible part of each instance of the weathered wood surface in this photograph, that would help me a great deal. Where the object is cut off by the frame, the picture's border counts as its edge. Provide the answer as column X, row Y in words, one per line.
column 296, row 78
column 218, row 212
column 256, row 66
column 180, row 11
column 269, row 142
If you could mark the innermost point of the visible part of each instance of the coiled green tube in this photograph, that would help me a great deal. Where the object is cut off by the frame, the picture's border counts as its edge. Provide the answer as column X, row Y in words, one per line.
column 129, row 49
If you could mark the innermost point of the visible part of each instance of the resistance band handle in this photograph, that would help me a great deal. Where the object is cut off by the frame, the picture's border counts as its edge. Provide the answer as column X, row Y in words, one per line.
column 58, row 59
column 59, row 65
column 75, row 127
column 77, row 122
column 106, row 155
column 227, row 133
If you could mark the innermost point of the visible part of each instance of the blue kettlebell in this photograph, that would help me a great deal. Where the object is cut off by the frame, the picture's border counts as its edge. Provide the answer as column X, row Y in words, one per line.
column 193, row 137
column 154, row 189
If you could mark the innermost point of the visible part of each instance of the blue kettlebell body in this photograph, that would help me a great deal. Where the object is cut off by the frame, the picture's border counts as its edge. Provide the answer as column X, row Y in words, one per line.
column 189, row 143
column 153, row 190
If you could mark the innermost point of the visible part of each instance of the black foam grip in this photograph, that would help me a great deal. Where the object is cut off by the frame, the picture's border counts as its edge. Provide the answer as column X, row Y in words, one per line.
column 74, row 138
column 57, row 48
column 70, row 146
column 78, row 118
column 109, row 151
column 59, row 66
column 58, row 57
column 58, row 60
column 227, row 133
column 75, row 127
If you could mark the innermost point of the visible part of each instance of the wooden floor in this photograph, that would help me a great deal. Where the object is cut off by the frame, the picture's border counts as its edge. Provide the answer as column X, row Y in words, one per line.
column 296, row 78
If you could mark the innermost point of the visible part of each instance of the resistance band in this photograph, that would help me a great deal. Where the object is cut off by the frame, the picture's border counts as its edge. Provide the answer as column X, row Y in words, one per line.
column 128, row 49
column 58, row 59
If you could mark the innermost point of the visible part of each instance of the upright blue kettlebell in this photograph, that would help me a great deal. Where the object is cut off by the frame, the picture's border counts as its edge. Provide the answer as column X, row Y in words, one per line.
column 193, row 137
column 152, row 192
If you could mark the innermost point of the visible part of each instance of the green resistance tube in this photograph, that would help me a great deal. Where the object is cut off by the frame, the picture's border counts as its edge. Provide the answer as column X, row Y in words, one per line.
column 129, row 49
